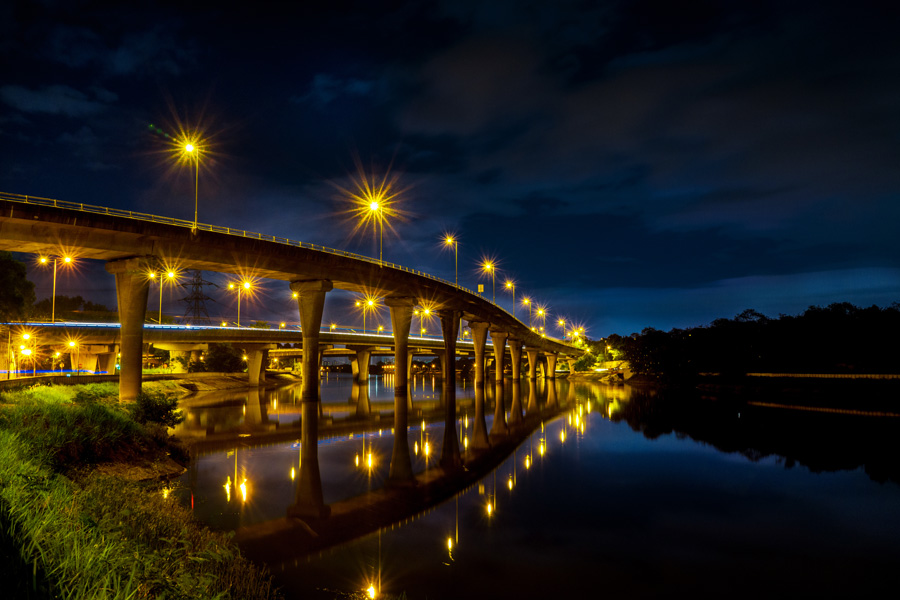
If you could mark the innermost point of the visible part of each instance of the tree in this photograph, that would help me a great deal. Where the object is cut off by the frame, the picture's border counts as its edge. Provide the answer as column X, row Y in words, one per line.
column 16, row 292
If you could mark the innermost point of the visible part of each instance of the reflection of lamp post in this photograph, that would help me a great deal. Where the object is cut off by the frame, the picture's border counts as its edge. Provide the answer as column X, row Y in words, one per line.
column 511, row 285
column 245, row 285
column 489, row 267
column 67, row 260
column 452, row 241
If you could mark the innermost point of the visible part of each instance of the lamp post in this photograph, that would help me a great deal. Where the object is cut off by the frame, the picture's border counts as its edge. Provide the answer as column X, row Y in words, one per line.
column 29, row 352
column 44, row 260
column 244, row 285
column 452, row 241
column 527, row 302
column 377, row 209
column 489, row 267
column 194, row 153
column 511, row 286
column 74, row 344
column 542, row 315
column 171, row 276
column 562, row 325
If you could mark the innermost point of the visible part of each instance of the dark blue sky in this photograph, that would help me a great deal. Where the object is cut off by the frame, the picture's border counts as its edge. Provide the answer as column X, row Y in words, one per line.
column 629, row 164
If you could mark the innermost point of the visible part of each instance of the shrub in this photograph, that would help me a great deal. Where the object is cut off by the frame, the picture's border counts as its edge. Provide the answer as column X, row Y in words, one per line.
column 156, row 407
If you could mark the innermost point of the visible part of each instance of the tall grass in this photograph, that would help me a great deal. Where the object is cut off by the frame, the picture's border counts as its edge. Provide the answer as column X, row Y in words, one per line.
column 98, row 536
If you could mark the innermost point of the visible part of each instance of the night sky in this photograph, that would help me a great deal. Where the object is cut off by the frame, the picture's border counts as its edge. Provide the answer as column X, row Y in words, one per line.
column 629, row 164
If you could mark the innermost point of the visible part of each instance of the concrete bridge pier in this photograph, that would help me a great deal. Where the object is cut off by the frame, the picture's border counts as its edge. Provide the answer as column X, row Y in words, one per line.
column 479, row 340
column 132, row 289
column 107, row 362
column 359, row 365
column 257, row 359
column 571, row 362
column 308, row 499
column 450, row 457
column 532, row 354
column 311, row 302
column 551, row 365
column 515, row 353
column 499, row 427
column 401, row 464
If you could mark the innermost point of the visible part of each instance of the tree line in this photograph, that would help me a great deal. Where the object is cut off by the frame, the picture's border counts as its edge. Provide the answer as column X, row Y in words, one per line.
column 838, row 338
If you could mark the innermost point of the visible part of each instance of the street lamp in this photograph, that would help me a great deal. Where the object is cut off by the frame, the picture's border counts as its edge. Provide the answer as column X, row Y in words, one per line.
column 562, row 325
column 74, row 344
column 378, row 216
column 527, row 302
column 511, row 285
column 170, row 276
column 29, row 352
column 452, row 241
column 242, row 285
column 192, row 152
column 44, row 260
column 489, row 267
column 368, row 304
column 542, row 315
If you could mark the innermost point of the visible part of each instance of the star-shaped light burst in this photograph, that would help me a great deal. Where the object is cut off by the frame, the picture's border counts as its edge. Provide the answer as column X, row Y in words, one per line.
column 375, row 203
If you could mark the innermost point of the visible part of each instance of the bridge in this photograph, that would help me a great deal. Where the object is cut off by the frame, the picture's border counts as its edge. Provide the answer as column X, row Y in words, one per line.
column 95, row 346
column 133, row 243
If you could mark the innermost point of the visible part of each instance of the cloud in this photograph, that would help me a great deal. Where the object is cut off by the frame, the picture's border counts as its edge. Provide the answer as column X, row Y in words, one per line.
column 325, row 89
column 51, row 99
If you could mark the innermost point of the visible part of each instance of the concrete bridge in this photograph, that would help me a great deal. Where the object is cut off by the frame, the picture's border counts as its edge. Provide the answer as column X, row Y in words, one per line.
column 134, row 243
column 97, row 345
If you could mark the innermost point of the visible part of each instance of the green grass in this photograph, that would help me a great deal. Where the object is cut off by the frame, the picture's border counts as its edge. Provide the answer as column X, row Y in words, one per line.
column 85, row 535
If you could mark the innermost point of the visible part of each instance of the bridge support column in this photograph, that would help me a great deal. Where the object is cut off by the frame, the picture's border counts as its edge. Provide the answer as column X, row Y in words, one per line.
column 532, row 354
column 257, row 357
column 499, row 427
column 359, row 365
column 515, row 354
column 132, row 288
column 107, row 362
column 450, row 458
column 311, row 302
column 479, row 340
column 571, row 362
column 551, row 366
column 401, row 464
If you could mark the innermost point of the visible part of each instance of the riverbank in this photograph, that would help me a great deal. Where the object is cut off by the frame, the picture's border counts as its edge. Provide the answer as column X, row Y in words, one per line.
column 83, row 507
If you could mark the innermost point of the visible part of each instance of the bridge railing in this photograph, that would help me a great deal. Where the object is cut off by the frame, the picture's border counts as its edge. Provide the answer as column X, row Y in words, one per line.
column 129, row 214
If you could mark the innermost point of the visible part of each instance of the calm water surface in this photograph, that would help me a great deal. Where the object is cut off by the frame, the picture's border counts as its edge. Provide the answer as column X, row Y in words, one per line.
column 624, row 494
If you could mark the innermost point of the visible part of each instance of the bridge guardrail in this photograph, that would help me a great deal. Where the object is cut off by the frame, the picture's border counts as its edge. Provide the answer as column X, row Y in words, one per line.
column 118, row 212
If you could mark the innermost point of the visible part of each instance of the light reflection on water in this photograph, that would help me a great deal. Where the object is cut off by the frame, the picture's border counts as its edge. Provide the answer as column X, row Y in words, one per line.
column 625, row 493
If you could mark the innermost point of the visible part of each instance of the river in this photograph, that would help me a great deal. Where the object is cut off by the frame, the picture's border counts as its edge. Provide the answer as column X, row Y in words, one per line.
column 620, row 493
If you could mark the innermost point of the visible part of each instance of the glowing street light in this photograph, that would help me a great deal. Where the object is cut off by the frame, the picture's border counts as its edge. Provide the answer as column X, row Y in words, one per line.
column 489, row 267
column 367, row 304
column 452, row 241
column 527, row 302
column 511, row 286
column 67, row 260
column 378, row 215
column 240, row 286
column 562, row 325
column 170, row 276
column 191, row 152
column 74, row 344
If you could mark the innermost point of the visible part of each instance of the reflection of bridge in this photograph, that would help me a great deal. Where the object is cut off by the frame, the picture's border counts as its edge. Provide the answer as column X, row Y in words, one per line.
column 132, row 244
